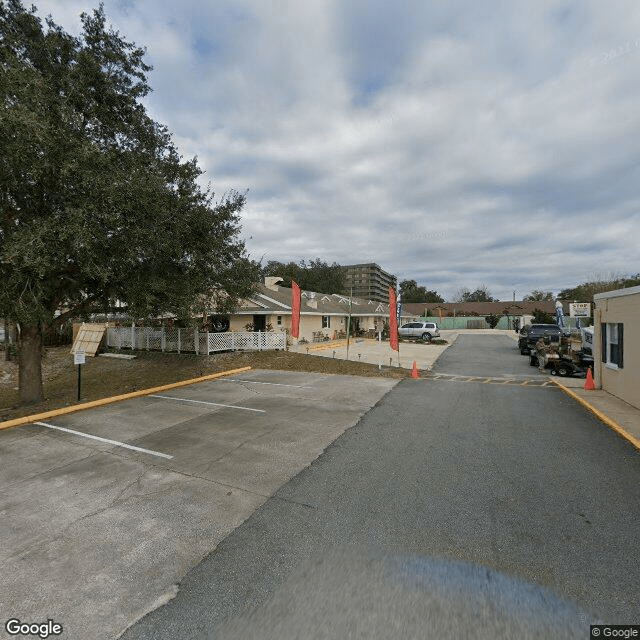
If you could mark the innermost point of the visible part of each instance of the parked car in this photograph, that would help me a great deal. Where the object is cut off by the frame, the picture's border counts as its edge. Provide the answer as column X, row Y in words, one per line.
column 424, row 330
column 531, row 333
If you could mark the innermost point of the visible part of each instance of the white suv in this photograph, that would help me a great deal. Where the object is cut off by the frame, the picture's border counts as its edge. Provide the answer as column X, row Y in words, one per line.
column 424, row 330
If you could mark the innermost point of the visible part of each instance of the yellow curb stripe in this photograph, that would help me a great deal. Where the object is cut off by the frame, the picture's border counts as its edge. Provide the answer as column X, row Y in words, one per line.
column 126, row 396
column 601, row 416
column 330, row 345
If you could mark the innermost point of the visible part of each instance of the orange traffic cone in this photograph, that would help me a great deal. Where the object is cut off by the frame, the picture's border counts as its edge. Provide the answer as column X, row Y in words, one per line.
column 589, row 383
column 414, row 371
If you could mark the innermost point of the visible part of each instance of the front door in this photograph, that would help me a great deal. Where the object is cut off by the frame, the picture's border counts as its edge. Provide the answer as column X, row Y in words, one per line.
column 259, row 323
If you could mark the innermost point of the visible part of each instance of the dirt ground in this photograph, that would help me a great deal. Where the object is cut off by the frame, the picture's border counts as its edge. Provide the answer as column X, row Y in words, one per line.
column 103, row 377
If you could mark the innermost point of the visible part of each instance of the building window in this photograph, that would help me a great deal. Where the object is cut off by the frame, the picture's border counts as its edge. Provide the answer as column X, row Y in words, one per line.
column 279, row 321
column 326, row 322
column 612, row 344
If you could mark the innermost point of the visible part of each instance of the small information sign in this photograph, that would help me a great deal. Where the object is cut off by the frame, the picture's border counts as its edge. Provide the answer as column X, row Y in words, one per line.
column 78, row 357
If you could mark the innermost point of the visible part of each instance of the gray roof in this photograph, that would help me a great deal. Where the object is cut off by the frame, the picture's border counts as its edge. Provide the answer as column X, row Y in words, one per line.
column 277, row 300
column 628, row 291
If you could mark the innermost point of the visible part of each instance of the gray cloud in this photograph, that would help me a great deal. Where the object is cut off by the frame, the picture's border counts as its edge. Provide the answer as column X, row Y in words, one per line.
column 455, row 143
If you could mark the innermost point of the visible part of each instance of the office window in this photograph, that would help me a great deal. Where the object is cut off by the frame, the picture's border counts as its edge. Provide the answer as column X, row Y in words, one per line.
column 613, row 343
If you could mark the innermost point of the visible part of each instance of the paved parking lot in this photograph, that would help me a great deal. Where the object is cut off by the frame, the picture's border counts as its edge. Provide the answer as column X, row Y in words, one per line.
column 104, row 511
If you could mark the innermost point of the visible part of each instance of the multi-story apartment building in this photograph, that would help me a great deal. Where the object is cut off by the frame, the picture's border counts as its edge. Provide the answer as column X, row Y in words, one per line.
column 369, row 281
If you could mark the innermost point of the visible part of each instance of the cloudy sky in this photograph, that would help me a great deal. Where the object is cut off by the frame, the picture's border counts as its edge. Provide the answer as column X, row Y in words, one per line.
column 454, row 142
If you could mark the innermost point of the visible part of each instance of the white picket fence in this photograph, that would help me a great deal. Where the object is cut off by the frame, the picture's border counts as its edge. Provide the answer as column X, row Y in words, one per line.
column 193, row 341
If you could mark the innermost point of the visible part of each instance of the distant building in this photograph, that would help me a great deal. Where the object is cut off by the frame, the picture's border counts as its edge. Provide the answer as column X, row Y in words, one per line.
column 369, row 281
column 516, row 309
column 471, row 315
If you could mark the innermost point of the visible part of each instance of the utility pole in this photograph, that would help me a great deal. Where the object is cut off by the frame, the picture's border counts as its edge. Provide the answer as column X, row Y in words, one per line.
column 349, row 323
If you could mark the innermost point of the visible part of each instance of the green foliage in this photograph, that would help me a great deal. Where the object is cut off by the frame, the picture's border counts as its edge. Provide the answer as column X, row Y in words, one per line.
column 316, row 275
column 492, row 320
column 96, row 204
column 481, row 294
column 412, row 292
column 584, row 292
column 542, row 317
column 539, row 296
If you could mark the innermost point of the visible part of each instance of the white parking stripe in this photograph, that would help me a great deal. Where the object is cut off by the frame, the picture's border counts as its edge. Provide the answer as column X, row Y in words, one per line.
column 115, row 442
column 213, row 404
column 275, row 384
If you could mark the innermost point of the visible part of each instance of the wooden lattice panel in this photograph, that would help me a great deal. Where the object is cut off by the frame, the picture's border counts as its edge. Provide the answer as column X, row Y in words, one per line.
column 89, row 338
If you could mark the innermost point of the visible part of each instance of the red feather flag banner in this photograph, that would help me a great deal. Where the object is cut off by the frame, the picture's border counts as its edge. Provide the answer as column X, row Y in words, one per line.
column 393, row 321
column 295, row 310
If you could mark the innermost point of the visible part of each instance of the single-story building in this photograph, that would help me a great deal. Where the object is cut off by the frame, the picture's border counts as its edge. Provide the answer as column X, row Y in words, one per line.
column 617, row 343
column 321, row 315
column 471, row 315
column 470, row 309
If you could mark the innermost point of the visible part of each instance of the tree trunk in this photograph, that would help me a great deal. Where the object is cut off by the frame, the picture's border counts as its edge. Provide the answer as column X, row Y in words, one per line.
column 30, row 364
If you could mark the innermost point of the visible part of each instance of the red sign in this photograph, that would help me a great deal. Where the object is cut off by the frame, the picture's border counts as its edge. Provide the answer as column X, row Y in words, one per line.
column 295, row 310
column 393, row 320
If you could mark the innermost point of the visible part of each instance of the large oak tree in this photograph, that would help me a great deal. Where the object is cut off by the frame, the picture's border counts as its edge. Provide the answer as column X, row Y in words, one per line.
column 96, row 203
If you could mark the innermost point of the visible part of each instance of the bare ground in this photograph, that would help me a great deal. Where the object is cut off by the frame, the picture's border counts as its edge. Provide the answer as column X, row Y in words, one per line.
column 103, row 377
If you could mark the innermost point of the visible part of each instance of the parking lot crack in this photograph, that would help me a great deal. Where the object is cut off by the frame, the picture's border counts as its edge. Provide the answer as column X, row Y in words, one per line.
column 239, row 446
column 61, row 534
column 119, row 498
column 247, row 387
column 44, row 472
column 194, row 476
